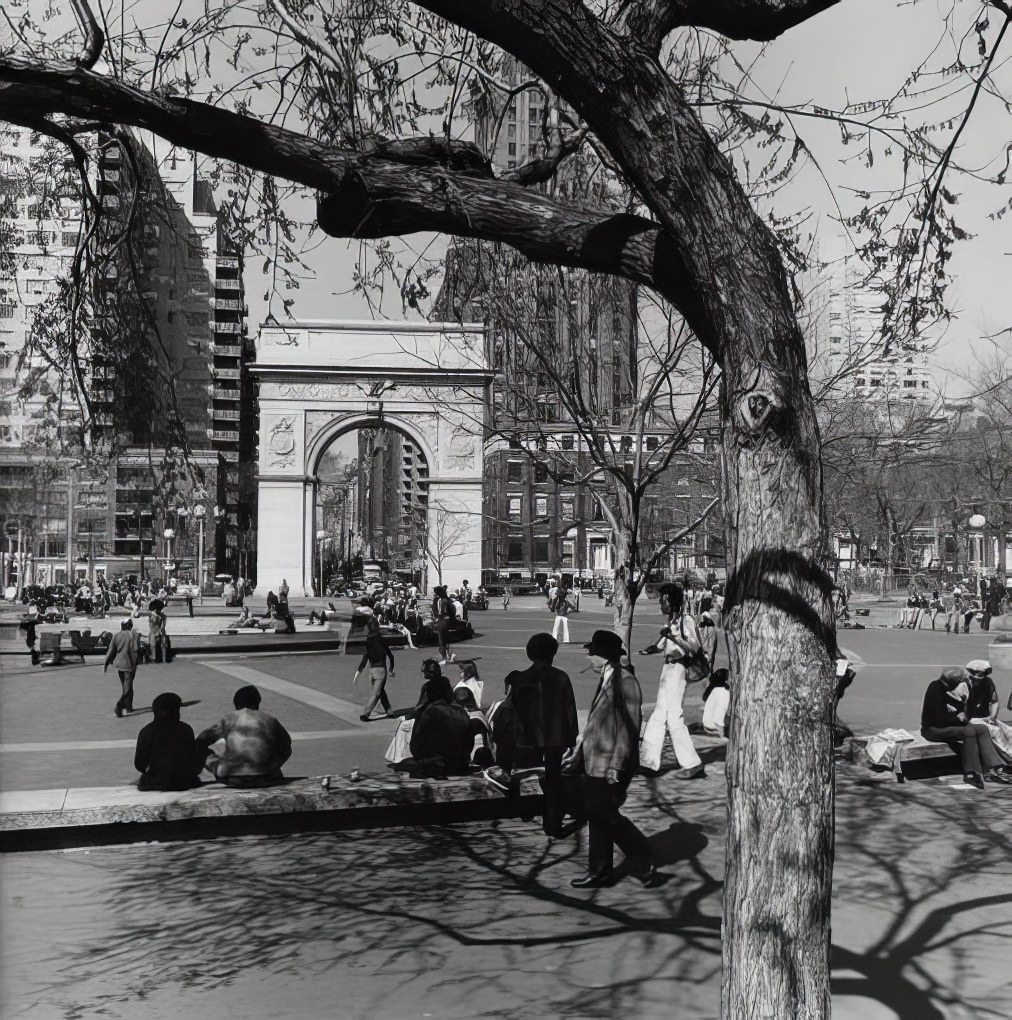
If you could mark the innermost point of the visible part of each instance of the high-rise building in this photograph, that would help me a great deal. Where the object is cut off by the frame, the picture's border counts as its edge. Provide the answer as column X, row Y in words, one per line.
column 853, row 326
column 100, row 471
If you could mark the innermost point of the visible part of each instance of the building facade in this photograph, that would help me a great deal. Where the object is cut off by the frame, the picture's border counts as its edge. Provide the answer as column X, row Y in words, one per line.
column 113, row 472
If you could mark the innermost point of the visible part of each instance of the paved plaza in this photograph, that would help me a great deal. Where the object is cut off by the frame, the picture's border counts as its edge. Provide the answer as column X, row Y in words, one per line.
column 478, row 919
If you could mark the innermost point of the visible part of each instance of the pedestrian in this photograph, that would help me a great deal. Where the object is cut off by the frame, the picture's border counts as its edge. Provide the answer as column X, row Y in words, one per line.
column 537, row 724
column 377, row 654
column 507, row 597
column 166, row 753
column 124, row 653
column 562, row 607
column 441, row 613
column 606, row 757
column 681, row 645
column 29, row 623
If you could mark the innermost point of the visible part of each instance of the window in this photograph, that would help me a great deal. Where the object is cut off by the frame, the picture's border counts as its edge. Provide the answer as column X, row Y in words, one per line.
column 540, row 550
column 512, row 148
column 541, row 506
column 653, row 442
column 514, row 471
column 8, row 311
column 515, row 551
column 567, row 509
column 540, row 473
column 626, row 444
column 515, row 504
column 567, row 442
column 567, row 552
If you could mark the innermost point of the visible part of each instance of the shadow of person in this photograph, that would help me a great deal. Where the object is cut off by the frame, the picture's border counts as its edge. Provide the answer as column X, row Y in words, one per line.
column 680, row 841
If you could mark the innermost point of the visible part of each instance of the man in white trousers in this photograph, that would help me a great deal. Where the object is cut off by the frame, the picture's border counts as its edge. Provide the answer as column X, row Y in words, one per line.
column 668, row 713
column 561, row 605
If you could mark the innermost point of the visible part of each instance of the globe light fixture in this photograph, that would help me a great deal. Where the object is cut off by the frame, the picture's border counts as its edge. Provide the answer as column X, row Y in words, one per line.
column 977, row 521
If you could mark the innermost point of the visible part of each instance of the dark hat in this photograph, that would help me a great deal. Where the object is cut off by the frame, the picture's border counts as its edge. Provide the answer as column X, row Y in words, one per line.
column 167, row 702
column 126, row 624
column 953, row 675
column 605, row 643
column 542, row 646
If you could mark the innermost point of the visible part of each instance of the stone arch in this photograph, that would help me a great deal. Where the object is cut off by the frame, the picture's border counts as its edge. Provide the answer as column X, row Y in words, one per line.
column 319, row 380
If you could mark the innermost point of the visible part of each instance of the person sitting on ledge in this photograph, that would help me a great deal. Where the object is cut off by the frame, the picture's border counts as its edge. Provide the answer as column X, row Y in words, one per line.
column 320, row 616
column 166, row 753
column 944, row 719
column 256, row 745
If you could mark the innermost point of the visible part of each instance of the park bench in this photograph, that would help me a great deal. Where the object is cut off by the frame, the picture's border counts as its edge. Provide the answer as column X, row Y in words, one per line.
column 187, row 599
column 86, row 643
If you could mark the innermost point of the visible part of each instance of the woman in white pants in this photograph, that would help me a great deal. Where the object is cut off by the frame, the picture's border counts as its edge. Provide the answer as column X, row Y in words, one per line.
column 668, row 715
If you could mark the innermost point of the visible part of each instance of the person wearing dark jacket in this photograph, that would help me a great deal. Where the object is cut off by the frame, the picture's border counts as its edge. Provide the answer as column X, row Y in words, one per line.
column 377, row 654
column 536, row 723
column 441, row 734
column 124, row 654
column 944, row 719
column 608, row 753
column 166, row 753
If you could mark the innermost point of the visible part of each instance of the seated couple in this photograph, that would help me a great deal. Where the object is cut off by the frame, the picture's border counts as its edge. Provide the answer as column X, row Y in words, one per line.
column 960, row 709
column 244, row 749
column 442, row 732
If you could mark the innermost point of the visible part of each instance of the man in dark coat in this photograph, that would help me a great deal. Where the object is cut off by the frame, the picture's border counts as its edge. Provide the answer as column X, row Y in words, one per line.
column 537, row 723
column 166, row 754
column 124, row 654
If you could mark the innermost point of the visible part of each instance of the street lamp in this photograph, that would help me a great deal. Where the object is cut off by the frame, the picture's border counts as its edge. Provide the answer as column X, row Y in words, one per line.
column 168, row 534
column 977, row 521
column 320, row 537
column 200, row 512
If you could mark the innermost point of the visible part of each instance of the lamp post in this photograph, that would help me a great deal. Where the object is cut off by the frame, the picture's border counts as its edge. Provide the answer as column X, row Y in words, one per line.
column 321, row 536
column 977, row 521
column 168, row 534
column 200, row 512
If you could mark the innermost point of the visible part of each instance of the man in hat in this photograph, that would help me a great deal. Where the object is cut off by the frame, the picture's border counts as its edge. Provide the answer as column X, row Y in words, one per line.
column 982, row 698
column 166, row 754
column 124, row 653
column 608, row 753
column 537, row 723
column 944, row 719
column 256, row 745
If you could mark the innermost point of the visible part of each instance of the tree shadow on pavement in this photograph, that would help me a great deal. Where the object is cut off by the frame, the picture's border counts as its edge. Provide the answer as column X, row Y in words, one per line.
column 922, row 918
column 393, row 918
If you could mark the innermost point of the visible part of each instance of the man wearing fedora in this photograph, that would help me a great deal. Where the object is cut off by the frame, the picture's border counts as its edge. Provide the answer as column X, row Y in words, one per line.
column 607, row 754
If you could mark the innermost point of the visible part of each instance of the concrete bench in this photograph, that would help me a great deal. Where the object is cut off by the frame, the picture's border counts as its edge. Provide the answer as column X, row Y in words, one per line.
column 54, row 819
column 915, row 759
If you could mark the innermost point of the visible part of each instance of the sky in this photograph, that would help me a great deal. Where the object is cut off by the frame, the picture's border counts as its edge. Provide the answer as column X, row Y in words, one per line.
column 857, row 51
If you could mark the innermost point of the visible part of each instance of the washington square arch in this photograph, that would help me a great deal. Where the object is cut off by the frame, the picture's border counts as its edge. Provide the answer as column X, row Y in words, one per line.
column 321, row 380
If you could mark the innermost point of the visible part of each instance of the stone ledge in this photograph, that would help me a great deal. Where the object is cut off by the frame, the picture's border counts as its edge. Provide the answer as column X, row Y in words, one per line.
column 49, row 819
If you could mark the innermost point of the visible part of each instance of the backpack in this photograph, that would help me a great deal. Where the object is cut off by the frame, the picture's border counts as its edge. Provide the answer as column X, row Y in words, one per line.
column 444, row 609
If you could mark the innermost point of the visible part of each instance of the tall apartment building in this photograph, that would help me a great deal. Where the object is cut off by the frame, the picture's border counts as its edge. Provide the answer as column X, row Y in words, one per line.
column 853, row 321
column 391, row 496
column 151, row 315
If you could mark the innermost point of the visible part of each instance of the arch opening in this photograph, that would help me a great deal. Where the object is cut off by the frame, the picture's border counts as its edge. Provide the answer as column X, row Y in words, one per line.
column 370, row 507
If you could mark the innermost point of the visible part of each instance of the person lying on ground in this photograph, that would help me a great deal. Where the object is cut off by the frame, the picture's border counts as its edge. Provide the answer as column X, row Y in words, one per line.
column 255, row 744
column 944, row 720
column 166, row 754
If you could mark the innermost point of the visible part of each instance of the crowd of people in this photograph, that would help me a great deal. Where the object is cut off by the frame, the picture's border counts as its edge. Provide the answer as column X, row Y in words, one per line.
column 956, row 609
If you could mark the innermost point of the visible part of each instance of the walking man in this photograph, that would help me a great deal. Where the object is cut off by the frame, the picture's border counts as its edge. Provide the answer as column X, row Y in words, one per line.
column 679, row 641
column 562, row 607
column 377, row 653
column 607, row 748
column 123, row 653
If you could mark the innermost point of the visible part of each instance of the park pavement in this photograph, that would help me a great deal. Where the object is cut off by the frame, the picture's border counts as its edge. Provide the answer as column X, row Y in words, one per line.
column 478, row 919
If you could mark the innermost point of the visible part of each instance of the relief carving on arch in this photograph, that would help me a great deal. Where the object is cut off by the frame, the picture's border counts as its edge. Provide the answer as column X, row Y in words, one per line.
column 281, row 441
